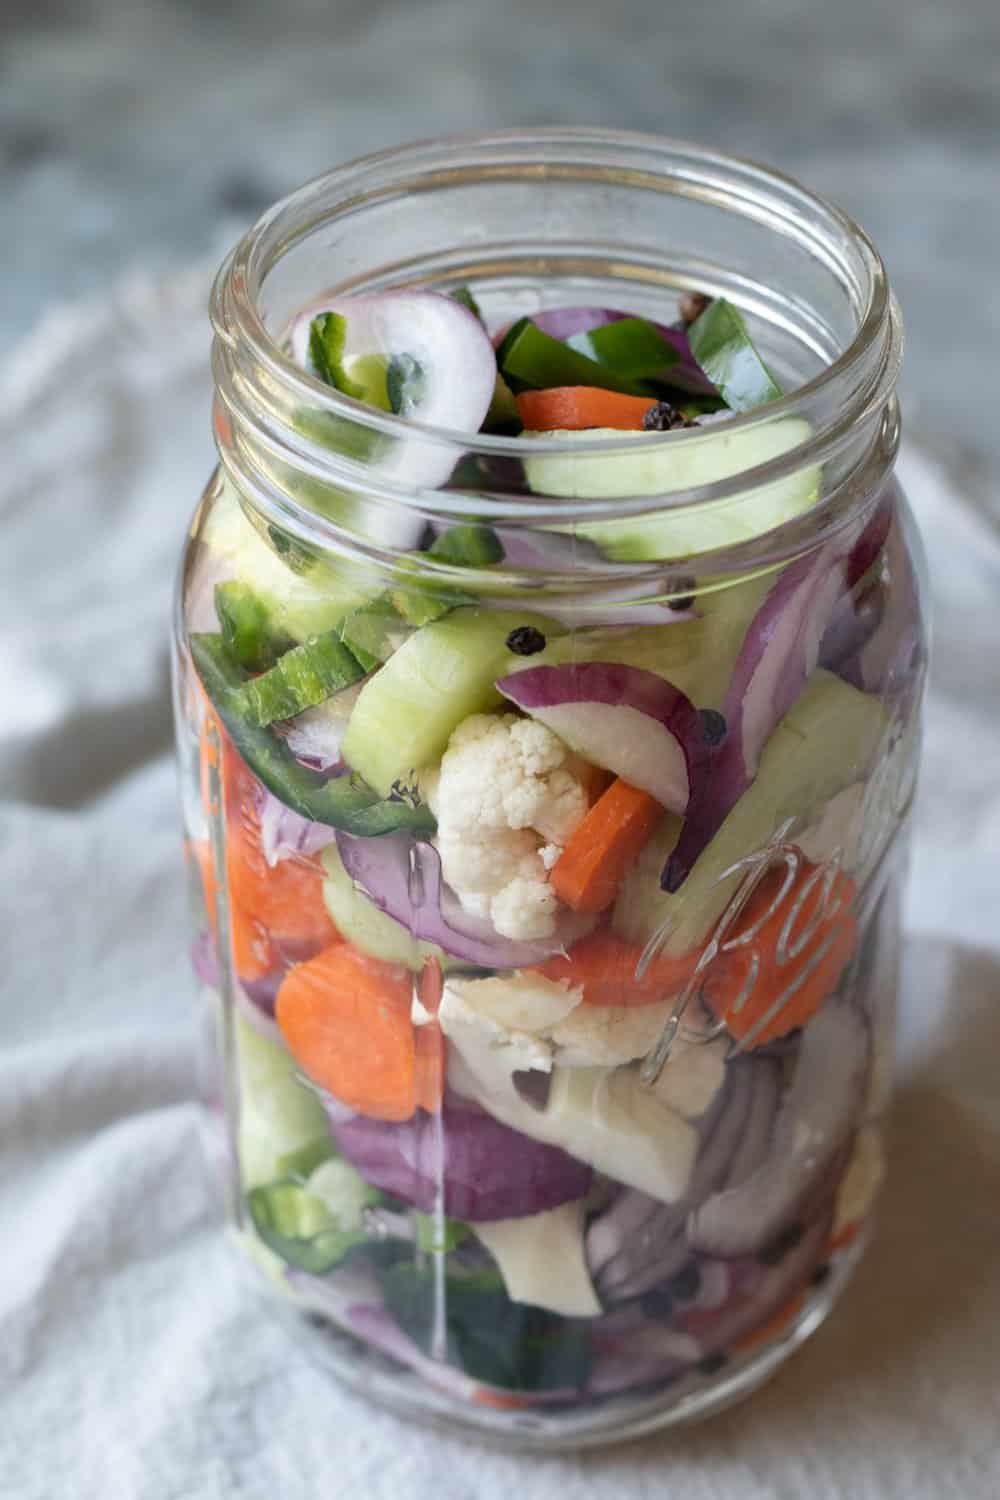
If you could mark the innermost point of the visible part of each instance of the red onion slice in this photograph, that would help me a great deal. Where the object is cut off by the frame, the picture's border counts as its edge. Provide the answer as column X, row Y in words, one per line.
column 456, row 360
column 402, row 877
column 638, row 1243
column 765, row 1290
column 482, row 1169
column 285, row 834
column 890, row 661
column 626, row 719
column 596, row 603
column 813, row 1130
column 780, row 651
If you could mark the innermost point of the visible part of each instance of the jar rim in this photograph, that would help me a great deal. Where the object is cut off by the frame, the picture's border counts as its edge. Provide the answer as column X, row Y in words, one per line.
column 846, row 393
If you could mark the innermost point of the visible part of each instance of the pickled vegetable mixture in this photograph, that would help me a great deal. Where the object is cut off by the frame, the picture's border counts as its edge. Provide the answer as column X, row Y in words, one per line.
column 545, row 927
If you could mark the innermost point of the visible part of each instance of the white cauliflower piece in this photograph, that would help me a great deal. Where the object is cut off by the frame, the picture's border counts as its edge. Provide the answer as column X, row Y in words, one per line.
column 525, row 909
column 506, row 801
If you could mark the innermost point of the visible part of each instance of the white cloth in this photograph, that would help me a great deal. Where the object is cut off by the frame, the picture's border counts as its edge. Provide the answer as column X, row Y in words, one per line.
column 133, row 1363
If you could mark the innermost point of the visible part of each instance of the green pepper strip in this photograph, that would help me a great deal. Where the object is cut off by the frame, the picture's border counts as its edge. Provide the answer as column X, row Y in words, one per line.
column 344, row 802
column 530, row 360
column 301, row 677
column 723, row 348
column 247, row 627
column 632, row 348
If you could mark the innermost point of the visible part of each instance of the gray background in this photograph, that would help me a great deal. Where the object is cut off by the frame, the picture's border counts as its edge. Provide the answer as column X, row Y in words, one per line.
column 151, row 132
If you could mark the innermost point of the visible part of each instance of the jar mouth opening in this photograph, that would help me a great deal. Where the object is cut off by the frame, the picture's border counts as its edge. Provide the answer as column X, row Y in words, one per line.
column 848, row 391
column 256, row 253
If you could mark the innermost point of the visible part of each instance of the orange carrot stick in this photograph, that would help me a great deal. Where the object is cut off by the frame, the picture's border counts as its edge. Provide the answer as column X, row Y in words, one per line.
column 287, row 898
column 795, row 950
column 604, row 967
column 429, row 1048
column 345, row 1019
column 573, row 407
column 777, row 1324
column 253, row 956
column 587, row 874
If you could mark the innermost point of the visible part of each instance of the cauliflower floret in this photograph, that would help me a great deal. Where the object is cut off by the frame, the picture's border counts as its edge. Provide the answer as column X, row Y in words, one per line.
column 506, row 802
column 562, row 810
column 483, row 866
column 525, row 909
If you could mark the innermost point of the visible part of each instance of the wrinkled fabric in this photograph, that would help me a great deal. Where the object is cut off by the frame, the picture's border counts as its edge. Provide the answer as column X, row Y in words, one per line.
column 135, row 1360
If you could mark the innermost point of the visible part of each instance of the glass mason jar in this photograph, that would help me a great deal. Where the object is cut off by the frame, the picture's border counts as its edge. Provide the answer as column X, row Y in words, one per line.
column 554, row 1162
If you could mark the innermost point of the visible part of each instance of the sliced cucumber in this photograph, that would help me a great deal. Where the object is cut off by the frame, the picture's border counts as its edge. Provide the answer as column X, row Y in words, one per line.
column 675, row 466
column 362, row 923
column 315, row 1224
column 697, row 655
column 247, row 627
column 405, row 715
column 824, row 743
column 278, row 1115
column 374, row 631
column 302, row 597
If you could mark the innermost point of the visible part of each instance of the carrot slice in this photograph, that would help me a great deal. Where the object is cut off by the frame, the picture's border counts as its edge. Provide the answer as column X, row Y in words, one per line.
column 485, row 1395
column 844, row 1237
column 287, row 897
column 429, row 1048
column 574, row 407
column 774, row 1326
column 210, row 738
column 253, row 956
column 604, row 967
column 796, row 946
column 587, row 874
column 345, row 1019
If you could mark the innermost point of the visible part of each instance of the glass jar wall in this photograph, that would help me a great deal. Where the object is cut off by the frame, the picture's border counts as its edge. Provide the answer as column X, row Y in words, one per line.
column 545, row 799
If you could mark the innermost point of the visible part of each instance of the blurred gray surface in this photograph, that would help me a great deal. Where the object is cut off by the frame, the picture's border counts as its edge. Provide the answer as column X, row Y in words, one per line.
column 150, row 133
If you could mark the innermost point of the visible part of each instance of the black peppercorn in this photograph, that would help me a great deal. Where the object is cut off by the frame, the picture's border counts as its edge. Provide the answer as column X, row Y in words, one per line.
column 788, row 1240
column 712, row 1363
column 657, row 1304
column 691, row 305
column 684, row 600
column 525, row 641
column 687, row 1282
column 662, row 417
column 713, row 725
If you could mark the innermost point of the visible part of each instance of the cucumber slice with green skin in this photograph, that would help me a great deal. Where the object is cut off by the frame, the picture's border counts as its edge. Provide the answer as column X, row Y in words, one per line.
column 247, row 627
column 467, row 546
column 361, row 922
column 316, row 1224
column 670, row 467
column 342, row 802
column 405, row 714
column 299, row 1164
column 301, row 678
column 278, row 1116
column 825, row 742
column 303, row 595
column 376, row 630
column 421, row 605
